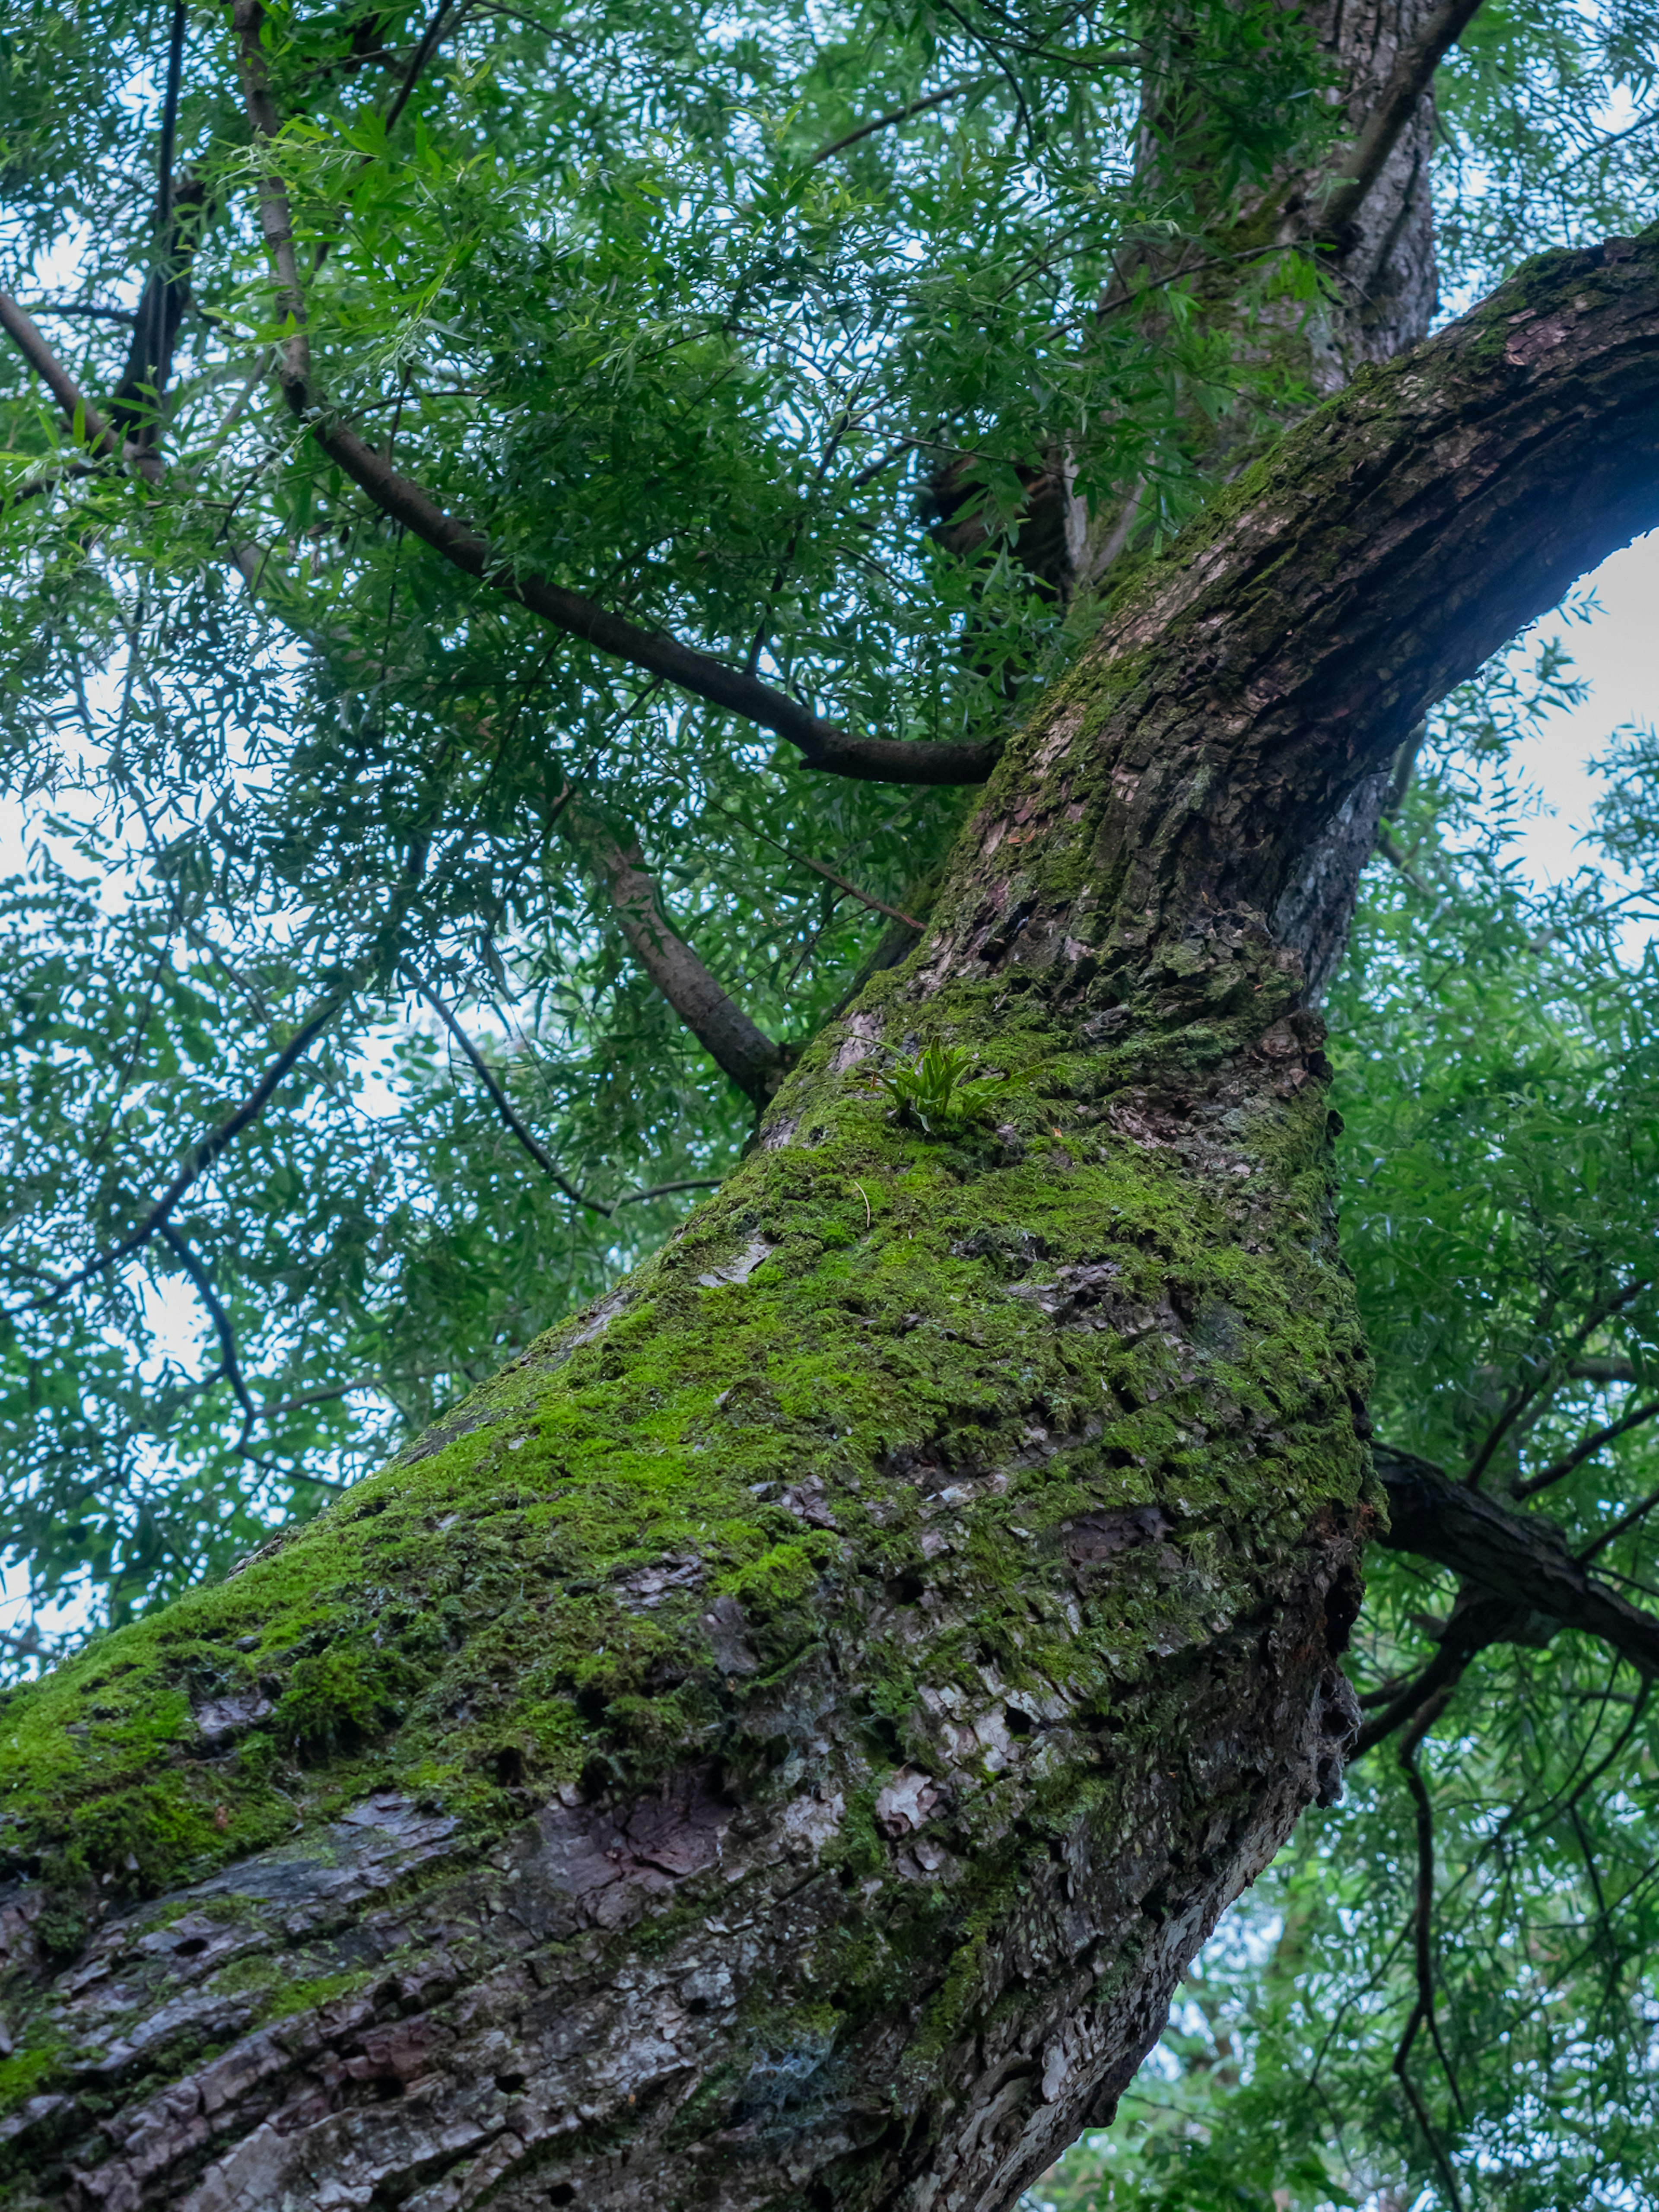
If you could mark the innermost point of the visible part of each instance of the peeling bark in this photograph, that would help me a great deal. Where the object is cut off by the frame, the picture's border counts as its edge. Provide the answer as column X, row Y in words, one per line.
column 780, row 1744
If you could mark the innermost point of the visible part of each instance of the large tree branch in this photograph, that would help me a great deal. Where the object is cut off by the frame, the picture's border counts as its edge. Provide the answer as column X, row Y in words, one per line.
column 737, row 1044
column 83, row 418
column 1519, row 1558
column 823, row 745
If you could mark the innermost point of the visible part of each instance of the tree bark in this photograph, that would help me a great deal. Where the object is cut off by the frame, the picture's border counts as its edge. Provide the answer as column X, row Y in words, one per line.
column 780, row 1744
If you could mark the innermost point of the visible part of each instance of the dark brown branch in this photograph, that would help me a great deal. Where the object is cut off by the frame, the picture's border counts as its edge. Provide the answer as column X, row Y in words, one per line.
column 959, row 91
column 134, row 402
column 1422, row 2012
column 1519, row 1560
column 220, row 1320
column 431, row 41
column 504, row 1106
column 1625, row 1522
column 204, row 1154
column 76, row 407
column 1413, row 71
column 823, row 745
column 805, row 861
column 1547, row 1377
column 1558, row 1469
column 533, row 1145
column 737, row 1044
column 86, row 308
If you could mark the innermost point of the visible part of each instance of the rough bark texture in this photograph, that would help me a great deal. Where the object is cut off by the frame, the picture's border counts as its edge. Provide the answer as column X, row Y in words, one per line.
column 1380, row 295
column 778, row 1744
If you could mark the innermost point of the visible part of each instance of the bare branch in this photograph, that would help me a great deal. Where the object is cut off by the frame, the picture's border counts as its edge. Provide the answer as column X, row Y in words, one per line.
column 1413, row 71
column 93, row 312
column 216, row 1314
column 532, row 1144
column 503, row 1105
column 736, row 1044
column 1625, row 1521
column 823, row 744
column 1547, row 1377
column 804, row 860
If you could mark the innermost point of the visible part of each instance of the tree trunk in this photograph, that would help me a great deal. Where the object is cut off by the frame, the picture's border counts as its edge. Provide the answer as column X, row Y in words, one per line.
column 778, row 1744
column 1378, row 263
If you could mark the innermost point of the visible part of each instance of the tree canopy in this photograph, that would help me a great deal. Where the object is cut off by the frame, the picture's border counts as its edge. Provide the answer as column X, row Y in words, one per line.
column 400, row 949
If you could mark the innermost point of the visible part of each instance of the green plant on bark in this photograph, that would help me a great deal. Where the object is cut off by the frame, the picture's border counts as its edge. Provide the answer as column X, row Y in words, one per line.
column 681, row 1402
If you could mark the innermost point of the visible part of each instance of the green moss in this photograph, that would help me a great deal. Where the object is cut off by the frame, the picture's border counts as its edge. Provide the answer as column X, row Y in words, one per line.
column 533, row 1580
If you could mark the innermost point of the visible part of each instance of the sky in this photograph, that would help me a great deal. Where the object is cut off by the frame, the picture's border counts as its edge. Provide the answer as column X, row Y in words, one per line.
column 1618, row 651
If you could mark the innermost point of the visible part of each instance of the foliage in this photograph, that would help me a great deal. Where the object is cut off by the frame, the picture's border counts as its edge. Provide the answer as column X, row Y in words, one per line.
column 691, row 313
column 939, row 1091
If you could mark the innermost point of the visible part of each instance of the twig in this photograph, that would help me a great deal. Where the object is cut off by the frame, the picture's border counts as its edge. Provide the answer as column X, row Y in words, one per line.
column 532, row 1144
column 79, row 307
column 220, row 1320
column 1627, row 1521
column 1521, row 1397
column 1591, row 1444
column 958, row 91
column 1422, row 2012
column 804, row 860
column 504, row 1106
column 204, row 1154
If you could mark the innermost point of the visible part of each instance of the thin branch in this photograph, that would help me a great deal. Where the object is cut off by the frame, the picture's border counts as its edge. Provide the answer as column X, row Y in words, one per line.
column 666, row 1189
column 1592, row 1445
column 79, row 307
column 422, row 55
column 532, row 1144
column 804, row 860
column 204, row 1154
column 1422, row 2012
column 958, row 91
column 823, row 744
column 1414, row 69
column 503, row 1105
column 1522, row 1396
column 1625, row 1521
column 737, row 1045
column 220, row 1320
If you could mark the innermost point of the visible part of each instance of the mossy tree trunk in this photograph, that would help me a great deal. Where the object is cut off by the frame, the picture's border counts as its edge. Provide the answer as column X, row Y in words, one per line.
column 778, row 1744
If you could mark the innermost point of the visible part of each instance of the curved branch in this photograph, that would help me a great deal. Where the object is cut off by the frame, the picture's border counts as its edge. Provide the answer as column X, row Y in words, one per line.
column 959, row 91
column 823, row 745
column 220, row 1320
column 741, row 1049
column 1517, row 1572
column 1558, row 1469
column 504, row 1106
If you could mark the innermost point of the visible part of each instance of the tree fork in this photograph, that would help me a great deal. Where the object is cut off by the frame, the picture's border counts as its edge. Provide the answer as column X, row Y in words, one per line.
column 780, row 1744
